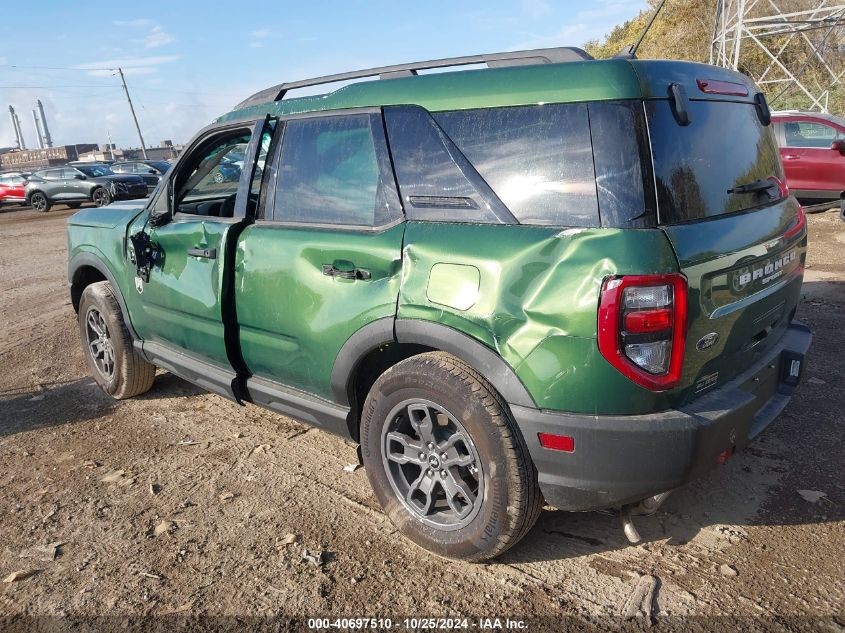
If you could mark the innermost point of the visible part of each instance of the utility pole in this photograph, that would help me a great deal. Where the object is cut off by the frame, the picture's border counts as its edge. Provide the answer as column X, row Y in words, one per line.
column 132, row 109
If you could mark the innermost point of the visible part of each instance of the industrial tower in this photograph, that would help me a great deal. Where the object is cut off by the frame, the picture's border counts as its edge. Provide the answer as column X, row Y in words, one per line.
column 808, row 35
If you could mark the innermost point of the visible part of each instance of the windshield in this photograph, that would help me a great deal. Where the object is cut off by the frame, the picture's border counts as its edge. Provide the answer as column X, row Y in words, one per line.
column 698, row 167
column 95, row 170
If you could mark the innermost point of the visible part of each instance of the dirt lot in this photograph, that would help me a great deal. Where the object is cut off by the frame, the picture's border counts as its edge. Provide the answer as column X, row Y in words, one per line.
column 179, row 502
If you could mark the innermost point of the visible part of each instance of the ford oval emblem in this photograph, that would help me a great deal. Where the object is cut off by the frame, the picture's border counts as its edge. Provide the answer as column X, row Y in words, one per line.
column 708, row 340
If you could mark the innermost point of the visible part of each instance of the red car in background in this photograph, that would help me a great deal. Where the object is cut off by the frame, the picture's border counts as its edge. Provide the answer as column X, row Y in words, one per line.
column 12, row 188
column 812, row 148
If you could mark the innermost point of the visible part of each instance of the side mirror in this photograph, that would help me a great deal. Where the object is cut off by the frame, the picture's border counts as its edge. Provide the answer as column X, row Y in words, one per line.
column 151, row 171
column 79, row 176
column 838, row 145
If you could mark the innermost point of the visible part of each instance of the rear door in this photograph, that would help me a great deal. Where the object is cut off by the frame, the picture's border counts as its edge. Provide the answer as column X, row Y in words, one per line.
column 324, row 257
column 742, row 251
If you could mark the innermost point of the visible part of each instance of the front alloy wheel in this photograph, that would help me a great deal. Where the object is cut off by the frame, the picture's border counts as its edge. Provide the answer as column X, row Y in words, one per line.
column 115, row 364
column 432, row 464
column 99, row 343
column 101, row 197
column 39, row 202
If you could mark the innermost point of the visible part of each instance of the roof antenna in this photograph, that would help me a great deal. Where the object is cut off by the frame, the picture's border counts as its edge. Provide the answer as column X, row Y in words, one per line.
column 630, row 51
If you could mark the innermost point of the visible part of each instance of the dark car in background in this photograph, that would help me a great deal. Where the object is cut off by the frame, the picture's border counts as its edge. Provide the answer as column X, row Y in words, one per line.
column 12, row 188
column 75, row 184
column 150, row 171
column 812, row 147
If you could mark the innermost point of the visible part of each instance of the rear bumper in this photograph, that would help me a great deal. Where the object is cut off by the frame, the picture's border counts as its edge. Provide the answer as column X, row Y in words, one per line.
column 622, row 459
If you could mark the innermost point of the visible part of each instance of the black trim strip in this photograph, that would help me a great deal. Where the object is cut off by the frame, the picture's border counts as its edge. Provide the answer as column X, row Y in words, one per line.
column 295, row 404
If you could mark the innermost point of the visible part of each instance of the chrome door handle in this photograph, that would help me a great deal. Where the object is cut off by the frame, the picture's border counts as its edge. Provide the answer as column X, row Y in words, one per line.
column 792, row 157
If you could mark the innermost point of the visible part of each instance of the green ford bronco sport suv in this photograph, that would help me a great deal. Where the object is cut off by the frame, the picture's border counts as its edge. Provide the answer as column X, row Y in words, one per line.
column 551, row 278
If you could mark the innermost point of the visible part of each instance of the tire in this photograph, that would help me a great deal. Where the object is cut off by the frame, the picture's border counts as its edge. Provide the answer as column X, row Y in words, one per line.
column 74, row 205
column 219, row 178
column 104, row 335
column 503, row 500
column 101, row 197
column 40, row 202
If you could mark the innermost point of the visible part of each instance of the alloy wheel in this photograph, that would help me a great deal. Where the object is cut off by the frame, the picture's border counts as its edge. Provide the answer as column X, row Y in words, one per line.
column 99, row 343
column 38, row 202
column 101, row 197
column 432, row 464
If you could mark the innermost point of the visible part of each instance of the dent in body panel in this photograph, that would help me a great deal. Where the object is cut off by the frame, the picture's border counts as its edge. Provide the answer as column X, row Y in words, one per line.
column 538, row 298
column 293, row 318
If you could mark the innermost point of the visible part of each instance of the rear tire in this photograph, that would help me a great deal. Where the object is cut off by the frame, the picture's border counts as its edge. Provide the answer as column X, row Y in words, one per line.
column 115, row 365
column 101, row 197
column 446, row 460
column 40, row 202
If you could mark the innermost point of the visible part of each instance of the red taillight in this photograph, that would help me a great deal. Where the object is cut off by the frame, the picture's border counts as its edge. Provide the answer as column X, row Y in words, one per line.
column 642, row 327
column 717, row 87
column 557, row 442
column 800, row 222
column 643, row 321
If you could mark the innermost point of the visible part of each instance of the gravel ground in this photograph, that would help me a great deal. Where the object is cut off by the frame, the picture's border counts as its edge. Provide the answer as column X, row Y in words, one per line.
column 181, row 502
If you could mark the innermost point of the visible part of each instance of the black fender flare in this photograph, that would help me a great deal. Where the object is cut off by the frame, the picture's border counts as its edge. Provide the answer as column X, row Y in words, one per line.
column 436, row 336
column 357, row 346
column 84, row 259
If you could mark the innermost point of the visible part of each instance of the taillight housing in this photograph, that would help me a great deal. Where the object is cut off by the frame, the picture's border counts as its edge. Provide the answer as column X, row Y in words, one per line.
column 798, row 226
column 783, row 188
column 642, row 327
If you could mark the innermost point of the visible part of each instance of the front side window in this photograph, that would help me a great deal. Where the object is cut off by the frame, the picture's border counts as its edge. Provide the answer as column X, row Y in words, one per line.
column 332, row 171
column 208, row 179
column 208, row 183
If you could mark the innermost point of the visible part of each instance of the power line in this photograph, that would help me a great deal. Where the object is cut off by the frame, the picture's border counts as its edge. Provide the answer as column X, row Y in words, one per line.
column 60, row 86
column 85, row 70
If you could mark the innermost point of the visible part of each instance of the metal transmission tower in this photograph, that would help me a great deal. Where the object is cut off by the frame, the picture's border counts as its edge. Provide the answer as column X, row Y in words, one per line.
column 791, row 42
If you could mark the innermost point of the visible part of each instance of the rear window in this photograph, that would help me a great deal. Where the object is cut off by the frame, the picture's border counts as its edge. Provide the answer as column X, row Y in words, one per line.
column 695, row 166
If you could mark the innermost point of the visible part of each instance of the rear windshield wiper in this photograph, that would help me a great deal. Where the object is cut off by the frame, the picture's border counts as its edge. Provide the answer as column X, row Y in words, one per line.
column 753, row 187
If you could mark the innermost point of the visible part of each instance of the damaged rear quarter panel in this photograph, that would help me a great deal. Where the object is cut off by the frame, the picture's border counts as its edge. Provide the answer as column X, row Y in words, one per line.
column 537, row 302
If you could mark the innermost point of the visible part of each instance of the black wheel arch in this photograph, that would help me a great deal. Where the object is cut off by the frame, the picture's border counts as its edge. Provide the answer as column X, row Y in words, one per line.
column 382, row 343
column 85, row 269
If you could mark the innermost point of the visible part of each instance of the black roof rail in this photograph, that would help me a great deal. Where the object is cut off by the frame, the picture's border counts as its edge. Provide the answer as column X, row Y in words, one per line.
column 493, row 60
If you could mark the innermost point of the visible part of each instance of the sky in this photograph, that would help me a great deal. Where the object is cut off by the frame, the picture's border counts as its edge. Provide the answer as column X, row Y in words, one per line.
column 187, row 62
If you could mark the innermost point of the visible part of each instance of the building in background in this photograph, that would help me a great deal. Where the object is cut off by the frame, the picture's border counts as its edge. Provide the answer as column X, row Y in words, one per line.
column 31, row 159
column 165, row 151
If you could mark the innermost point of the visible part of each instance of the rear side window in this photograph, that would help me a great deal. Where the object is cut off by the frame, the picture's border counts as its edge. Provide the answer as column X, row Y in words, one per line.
column 696, row 165
column 332, row 171
column 624, row 182
column 537, row 159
